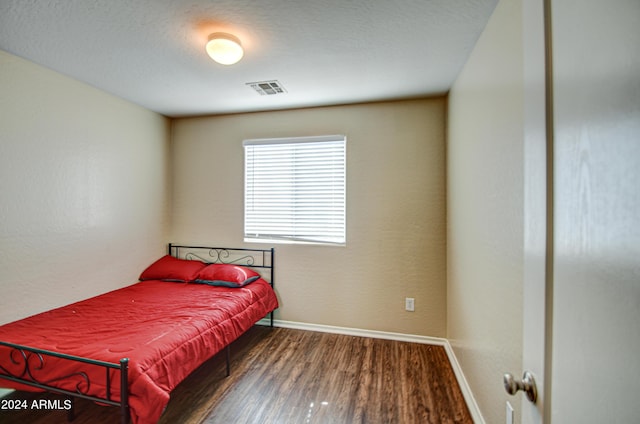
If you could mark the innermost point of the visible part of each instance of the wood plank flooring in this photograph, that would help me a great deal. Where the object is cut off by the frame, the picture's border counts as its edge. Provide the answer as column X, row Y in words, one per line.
column 292, row 376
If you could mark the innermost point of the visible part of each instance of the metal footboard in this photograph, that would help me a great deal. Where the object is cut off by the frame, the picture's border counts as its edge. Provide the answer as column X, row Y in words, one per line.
column 30, row 361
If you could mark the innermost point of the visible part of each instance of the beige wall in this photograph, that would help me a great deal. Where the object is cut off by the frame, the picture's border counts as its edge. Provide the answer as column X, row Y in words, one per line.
column 84, row 189
column 485, row 212
column 395, row 211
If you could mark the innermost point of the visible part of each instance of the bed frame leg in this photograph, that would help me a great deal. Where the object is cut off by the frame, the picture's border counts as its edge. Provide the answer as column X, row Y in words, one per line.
column 71, row 413
column 124, row 391
column 228, row 349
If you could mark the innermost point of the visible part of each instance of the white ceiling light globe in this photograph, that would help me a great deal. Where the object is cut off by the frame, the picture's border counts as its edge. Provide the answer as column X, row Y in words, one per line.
column 224, row 48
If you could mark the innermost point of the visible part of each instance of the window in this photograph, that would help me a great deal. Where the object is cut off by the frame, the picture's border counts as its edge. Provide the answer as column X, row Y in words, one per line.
column 295, row 190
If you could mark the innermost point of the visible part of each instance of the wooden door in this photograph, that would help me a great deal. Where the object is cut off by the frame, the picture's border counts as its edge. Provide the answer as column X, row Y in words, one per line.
column 582, row 211
column 595, row 336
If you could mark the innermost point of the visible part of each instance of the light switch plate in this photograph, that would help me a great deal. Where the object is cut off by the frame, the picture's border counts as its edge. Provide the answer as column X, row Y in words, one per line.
column 509, row 413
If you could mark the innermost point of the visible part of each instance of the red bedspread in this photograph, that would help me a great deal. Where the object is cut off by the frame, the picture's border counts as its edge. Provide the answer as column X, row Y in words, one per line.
column 165, row 329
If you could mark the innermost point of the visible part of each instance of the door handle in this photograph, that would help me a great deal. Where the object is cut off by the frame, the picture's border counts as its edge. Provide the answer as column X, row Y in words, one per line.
column 527, row 385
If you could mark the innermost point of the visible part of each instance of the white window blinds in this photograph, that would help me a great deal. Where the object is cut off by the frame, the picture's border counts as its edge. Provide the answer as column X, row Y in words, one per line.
column 295, row 189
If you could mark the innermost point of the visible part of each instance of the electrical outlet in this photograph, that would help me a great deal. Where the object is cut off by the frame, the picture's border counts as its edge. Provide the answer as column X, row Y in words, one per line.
column 509, row 413
column 409, row 304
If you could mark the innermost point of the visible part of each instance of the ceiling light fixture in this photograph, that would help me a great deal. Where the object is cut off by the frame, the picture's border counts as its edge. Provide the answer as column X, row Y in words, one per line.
column 224, row 48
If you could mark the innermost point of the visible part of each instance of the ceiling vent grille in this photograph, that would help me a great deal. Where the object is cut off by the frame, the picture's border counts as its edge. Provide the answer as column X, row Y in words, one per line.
column 267, row 88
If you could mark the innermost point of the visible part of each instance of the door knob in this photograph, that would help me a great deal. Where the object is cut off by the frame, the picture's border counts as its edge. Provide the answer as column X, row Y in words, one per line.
column 527, row 385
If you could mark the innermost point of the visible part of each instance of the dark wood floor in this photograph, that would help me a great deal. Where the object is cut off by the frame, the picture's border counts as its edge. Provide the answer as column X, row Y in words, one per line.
column 291, row 376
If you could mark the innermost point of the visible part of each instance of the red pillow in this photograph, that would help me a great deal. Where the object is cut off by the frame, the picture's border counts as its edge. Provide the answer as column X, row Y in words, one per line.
column 169, row 268
column 227, row 275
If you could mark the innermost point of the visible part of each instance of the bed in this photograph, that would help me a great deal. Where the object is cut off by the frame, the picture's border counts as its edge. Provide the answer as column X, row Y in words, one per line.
column 131, row 347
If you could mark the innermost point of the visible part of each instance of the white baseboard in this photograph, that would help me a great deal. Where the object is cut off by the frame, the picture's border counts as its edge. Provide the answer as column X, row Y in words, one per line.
column 359, row 332
column 413, row 338
column 474, row 410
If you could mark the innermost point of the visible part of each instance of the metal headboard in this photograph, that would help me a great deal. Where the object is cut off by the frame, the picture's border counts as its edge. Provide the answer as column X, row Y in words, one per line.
column 262, row 260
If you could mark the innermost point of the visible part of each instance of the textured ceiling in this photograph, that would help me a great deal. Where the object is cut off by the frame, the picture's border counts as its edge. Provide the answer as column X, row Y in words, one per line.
column 323, row 52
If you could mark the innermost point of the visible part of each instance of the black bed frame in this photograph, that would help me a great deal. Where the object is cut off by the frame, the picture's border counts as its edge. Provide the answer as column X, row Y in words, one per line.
column 32, row 359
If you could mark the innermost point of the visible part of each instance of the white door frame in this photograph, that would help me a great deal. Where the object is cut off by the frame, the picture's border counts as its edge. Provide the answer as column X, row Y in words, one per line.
column 538, row 190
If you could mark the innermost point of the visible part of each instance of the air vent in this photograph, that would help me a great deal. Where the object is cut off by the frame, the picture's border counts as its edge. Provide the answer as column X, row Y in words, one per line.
column 267, row 88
